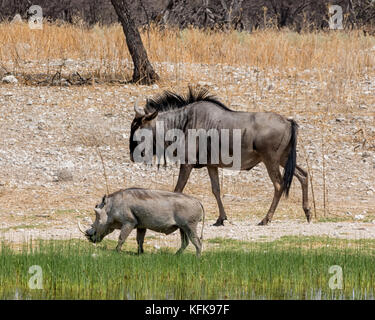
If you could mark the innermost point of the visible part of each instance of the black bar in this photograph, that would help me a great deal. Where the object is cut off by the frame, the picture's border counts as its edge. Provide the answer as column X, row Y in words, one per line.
column 183, row 309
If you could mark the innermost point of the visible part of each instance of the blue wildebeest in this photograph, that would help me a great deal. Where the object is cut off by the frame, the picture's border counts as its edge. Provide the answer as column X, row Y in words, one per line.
column 142, row 209
column 264, row 137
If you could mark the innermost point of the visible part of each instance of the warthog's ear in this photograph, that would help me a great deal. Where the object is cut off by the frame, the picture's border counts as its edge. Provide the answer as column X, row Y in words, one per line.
column 97, row 211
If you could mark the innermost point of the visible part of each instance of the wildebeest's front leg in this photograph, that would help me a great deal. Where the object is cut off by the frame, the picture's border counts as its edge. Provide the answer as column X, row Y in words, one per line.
column 183, row 176
column 215, row 185
column 125, row 231
column 140, row 238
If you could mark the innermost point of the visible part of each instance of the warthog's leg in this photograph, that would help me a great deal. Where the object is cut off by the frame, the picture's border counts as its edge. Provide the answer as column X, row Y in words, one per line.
column 191, row 232
column 215, row 185
column 125, row 231
column 184, row 241
column 275, row 175
column 140, row 238
column 303, row 178
column 183, row 177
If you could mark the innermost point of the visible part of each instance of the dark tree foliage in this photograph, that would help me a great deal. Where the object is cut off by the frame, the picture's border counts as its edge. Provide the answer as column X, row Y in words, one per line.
column 90, row 11
column 213, row 14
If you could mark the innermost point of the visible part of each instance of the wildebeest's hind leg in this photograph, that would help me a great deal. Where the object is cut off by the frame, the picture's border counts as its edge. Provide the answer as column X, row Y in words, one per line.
column 183, row 177
column 125, row 231
column 215, row 185
column 140, row 238
column 184, row 241
column 275, row 175
column 303, row 178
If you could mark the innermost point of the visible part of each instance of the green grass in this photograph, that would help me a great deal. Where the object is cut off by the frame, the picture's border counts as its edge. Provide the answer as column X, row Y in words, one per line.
column 290, row 268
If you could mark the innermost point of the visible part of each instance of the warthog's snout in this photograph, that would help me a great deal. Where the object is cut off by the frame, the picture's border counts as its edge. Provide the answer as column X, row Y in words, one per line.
column 90, row 234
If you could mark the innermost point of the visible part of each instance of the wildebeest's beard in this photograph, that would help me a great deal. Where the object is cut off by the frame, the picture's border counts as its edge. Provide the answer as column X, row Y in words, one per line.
column 134, row 153
column 136, row 124
column 145, row 124
column 160, row 130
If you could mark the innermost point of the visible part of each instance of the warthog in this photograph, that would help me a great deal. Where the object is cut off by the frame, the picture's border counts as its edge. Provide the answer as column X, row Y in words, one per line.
column 143, row 209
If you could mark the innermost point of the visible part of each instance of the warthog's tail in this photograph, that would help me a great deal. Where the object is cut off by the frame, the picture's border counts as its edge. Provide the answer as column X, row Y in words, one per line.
column 292, row 159
column 204, row 216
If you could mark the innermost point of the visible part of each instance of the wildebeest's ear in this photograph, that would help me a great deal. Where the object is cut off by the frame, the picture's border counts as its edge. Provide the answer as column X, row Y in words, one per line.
column 151, row 116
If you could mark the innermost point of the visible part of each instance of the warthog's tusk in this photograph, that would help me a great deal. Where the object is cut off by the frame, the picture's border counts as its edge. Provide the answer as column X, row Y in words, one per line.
column 80, row 228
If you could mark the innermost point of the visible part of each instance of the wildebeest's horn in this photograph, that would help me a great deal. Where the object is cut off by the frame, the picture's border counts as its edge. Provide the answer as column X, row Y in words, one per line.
column 80, row 228
column 139, row 112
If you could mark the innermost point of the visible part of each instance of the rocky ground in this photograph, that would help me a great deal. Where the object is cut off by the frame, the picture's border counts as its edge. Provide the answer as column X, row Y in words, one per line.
column 51, row 175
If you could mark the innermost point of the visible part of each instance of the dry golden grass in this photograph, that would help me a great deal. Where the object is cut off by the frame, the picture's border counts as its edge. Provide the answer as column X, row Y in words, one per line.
column 347, row 53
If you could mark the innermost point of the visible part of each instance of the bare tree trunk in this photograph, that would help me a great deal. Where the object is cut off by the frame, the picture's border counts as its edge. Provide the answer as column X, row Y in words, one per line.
column 143, row 72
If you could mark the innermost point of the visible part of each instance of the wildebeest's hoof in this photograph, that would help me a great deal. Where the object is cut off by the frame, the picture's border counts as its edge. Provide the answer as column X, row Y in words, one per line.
column 219, row 223
column 308, row 215
column 264, row 222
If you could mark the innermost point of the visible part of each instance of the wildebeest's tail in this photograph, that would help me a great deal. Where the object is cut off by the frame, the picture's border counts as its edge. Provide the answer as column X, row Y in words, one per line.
column 292, row 159
column 204, row 215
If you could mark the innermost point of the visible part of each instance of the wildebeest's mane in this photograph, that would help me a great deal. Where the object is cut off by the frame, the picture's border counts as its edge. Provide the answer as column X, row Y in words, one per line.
column 169, row 100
